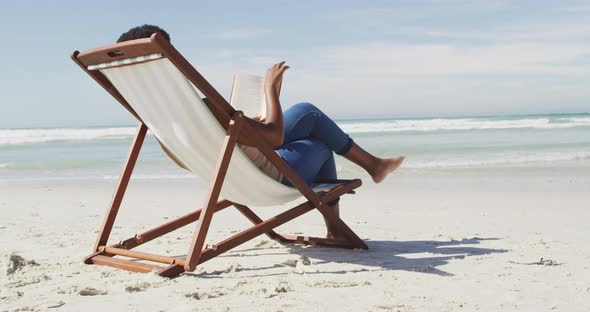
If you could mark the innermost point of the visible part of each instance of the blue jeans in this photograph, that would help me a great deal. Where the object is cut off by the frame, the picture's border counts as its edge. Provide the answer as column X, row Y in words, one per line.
column 310, row 139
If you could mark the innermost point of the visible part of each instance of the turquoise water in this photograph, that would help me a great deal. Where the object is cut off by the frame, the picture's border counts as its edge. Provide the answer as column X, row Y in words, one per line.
column 430, row 144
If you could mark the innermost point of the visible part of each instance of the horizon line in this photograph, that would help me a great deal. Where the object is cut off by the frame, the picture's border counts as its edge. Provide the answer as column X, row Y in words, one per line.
column 335, row 119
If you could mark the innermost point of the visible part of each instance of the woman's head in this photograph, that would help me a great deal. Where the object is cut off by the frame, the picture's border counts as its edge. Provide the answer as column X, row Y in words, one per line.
column 144, row 31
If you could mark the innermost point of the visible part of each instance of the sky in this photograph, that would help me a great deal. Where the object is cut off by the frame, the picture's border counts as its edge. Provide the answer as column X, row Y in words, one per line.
column 353, row 59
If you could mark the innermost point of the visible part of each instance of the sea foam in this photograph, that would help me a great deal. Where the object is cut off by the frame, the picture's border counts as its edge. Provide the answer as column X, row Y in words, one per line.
column 31, row 136
column 28, row 136
column 438, row 124
column 511, row 159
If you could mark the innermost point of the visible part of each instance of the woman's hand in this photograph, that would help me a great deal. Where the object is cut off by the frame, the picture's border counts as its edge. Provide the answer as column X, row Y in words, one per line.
column 271, row 125
column 274, row 76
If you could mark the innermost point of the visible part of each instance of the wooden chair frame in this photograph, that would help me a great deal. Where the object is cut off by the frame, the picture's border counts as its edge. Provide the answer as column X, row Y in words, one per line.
column 238, row 130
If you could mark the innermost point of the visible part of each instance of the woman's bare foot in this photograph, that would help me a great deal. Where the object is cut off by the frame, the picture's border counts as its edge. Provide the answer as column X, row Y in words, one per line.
column 334, row 230
column 385, row 167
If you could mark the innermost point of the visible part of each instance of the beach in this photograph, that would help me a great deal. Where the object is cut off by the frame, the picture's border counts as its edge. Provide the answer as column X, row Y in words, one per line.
column 487, row 241
column 468, row 230
column 485, row 106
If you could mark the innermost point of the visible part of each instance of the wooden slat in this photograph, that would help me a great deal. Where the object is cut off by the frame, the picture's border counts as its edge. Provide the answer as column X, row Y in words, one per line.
column 318, row 241
column 168, row 227
column 248, row 213
column 142, row 255
column 125, row 264
column 124, row 50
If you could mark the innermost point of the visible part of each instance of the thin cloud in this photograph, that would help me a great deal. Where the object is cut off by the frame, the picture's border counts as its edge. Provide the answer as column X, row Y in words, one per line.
column 538, row 34
column 424, row 79
column 433, row 21
column 239, row 34
column 386, row 59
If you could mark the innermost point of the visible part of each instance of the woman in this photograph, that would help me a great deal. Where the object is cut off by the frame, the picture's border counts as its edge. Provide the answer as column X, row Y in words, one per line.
column 306, row 139
column 303, row 136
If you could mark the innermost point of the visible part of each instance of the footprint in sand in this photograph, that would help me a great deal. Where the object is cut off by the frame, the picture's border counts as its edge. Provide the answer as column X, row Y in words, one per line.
column 16, row 262
column 262, row 243
column 231, row 269
column 333, row 284
column 303, row 260
column 204, row 295
column 299, row 265
column 55, row 305
column 282, row 289
column 88, row 291
column 390, row 307
column 25, row 281
column 137, row 287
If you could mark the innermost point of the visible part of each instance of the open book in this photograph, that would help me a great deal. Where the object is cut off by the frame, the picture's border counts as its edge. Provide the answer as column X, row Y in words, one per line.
column 247, row 95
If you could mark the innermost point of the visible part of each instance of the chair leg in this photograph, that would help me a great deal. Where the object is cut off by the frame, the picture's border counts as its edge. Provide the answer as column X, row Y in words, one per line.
column 194, row 253
column 109, row 220
column 171, row 271
column 248, row 213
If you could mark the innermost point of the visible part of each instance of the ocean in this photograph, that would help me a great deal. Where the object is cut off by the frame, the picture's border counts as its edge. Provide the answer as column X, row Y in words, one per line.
column 431, row 145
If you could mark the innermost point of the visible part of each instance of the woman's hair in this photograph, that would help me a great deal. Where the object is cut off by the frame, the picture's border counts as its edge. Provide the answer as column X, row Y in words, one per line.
column 144, row 31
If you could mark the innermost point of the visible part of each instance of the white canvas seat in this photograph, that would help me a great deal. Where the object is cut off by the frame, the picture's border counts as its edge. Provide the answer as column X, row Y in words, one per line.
column 172, row 109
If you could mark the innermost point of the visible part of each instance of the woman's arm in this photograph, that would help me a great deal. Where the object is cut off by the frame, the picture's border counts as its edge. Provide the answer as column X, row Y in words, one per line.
column 271, row 126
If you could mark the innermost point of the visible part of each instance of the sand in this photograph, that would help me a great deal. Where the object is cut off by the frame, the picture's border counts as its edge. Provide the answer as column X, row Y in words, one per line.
column 478, row 240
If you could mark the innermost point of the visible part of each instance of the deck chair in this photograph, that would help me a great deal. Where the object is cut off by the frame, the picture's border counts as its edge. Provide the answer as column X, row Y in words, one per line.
column 163, row 91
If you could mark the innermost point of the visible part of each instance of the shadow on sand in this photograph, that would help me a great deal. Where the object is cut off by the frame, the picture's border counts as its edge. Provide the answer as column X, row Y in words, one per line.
column 382, row 255
column 389, row 255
